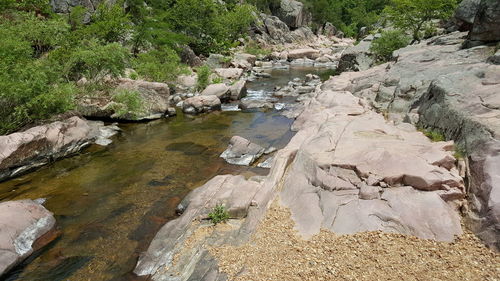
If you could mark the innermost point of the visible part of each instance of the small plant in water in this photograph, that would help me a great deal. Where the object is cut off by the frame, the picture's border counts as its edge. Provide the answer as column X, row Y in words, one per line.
column 219, row 214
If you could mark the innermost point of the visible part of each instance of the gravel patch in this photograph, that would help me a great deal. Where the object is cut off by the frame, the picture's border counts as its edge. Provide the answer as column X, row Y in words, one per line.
column 277, row 252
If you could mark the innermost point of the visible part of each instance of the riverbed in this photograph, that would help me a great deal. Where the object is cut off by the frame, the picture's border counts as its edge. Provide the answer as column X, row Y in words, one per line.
column 110, row 201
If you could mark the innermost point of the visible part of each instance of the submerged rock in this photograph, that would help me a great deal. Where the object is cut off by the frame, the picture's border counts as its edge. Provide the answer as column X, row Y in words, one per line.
column 25, row 227
column 242, row 152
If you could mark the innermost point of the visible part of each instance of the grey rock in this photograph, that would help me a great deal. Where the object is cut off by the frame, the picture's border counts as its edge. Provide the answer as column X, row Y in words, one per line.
column 466, row 13
column 242, row 152
column 221, row 90
column 358, row 57
column 238, row 90
column 189, row 57
column 201, row 104
column 293, row 13
column 486, row 27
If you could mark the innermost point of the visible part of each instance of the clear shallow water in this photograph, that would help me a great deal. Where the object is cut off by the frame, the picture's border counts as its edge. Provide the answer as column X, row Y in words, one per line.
column 109, row 202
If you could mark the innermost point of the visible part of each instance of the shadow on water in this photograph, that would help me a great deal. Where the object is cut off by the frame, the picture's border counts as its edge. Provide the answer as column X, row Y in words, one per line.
column 109, row 202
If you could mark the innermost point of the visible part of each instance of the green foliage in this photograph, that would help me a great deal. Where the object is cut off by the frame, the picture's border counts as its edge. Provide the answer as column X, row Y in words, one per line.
column 348, row 15
column 217, row 80
column 435, row 136
column 389, row 41
column 414, row 15
column 256, row 50
column 219, row 214
column 203, row 77
column 160, row 65
column 127, row 103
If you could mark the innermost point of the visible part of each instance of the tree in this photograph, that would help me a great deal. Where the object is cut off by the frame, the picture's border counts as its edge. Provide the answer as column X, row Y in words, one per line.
column 413, row 15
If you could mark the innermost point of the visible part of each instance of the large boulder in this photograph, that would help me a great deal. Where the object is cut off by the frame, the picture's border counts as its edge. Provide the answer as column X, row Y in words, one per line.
column 486, row 27
column 359, row 57
column 242, row 152
column 25, row 226
column 293, row 13
column 23, row 151
column 238, row 90
column 277, row 29
column 221, row 90
column 201, row 104
column 154, row 99
column 466, row 13
column 189, row 57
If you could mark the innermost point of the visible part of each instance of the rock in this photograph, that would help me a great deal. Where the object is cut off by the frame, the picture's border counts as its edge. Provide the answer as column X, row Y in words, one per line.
column 486, row 26
column 186, row 82
column 220, row 90
column 238, row 90
column 189, row 57
column 495, row 59
column 368, row 192
column 216, row 61
column 64, row 6
column 267, row 164
column 24, row 151
column 242, row 152
column 329, row 30
column 336, row 148
column 201, row 104
column 277, row 30
column 302, row 34
column 154, row 98
column 292, row 13
column 249, row 103
column 466, row 13
column 229, row 73
column 303, row 53
column 358, row 57
column 26, row 226
column 244, row 61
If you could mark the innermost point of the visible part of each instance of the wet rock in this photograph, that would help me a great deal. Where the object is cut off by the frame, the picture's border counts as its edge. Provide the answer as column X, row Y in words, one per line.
column 35, row 147
column 229, row 73
column 23, row 224
column 201, row 104
column 221, row 90
column 249, row 103
column 267, row 164
column 242, row 152
column 238, row 90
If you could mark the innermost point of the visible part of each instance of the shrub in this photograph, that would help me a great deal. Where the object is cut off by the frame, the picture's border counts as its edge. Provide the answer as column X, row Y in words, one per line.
column 219, row 214
column 387, row 43
column 253, row 48
column 160, row 65
column 203, row 73
column 435, row 136
column 413, row 15
column 128, row 103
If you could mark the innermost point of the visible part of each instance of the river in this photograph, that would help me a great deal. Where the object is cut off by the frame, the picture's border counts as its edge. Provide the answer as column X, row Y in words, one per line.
column 110, row 201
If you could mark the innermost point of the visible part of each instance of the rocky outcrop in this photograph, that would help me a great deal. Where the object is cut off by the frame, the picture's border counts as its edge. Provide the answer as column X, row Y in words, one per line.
column 35, row 147
column 293, row 13
column 201, row 104
column 440, row 86
column 242, row 152
column 154, row 99
column 188, row 57
column 229, row 73
column 330, row 176
column 486, row 26
column 466, row 13
column 25, row 226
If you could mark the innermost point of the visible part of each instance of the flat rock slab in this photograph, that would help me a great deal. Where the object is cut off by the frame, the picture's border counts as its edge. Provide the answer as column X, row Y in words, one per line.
column 201, row 104
column 242, row 152
column 22, row 223
column 356, row 172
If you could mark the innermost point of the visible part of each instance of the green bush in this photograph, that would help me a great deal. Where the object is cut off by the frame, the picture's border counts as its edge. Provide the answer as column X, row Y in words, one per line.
column 203, row 73
column 414, row 15
column 128, row 103
column 387, row 43
column 435, row 136
column 254, row 49
column 219, row 214
column 159, row 65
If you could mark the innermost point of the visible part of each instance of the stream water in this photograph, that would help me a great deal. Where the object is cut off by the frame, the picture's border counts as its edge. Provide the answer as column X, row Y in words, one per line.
column 109, row 202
